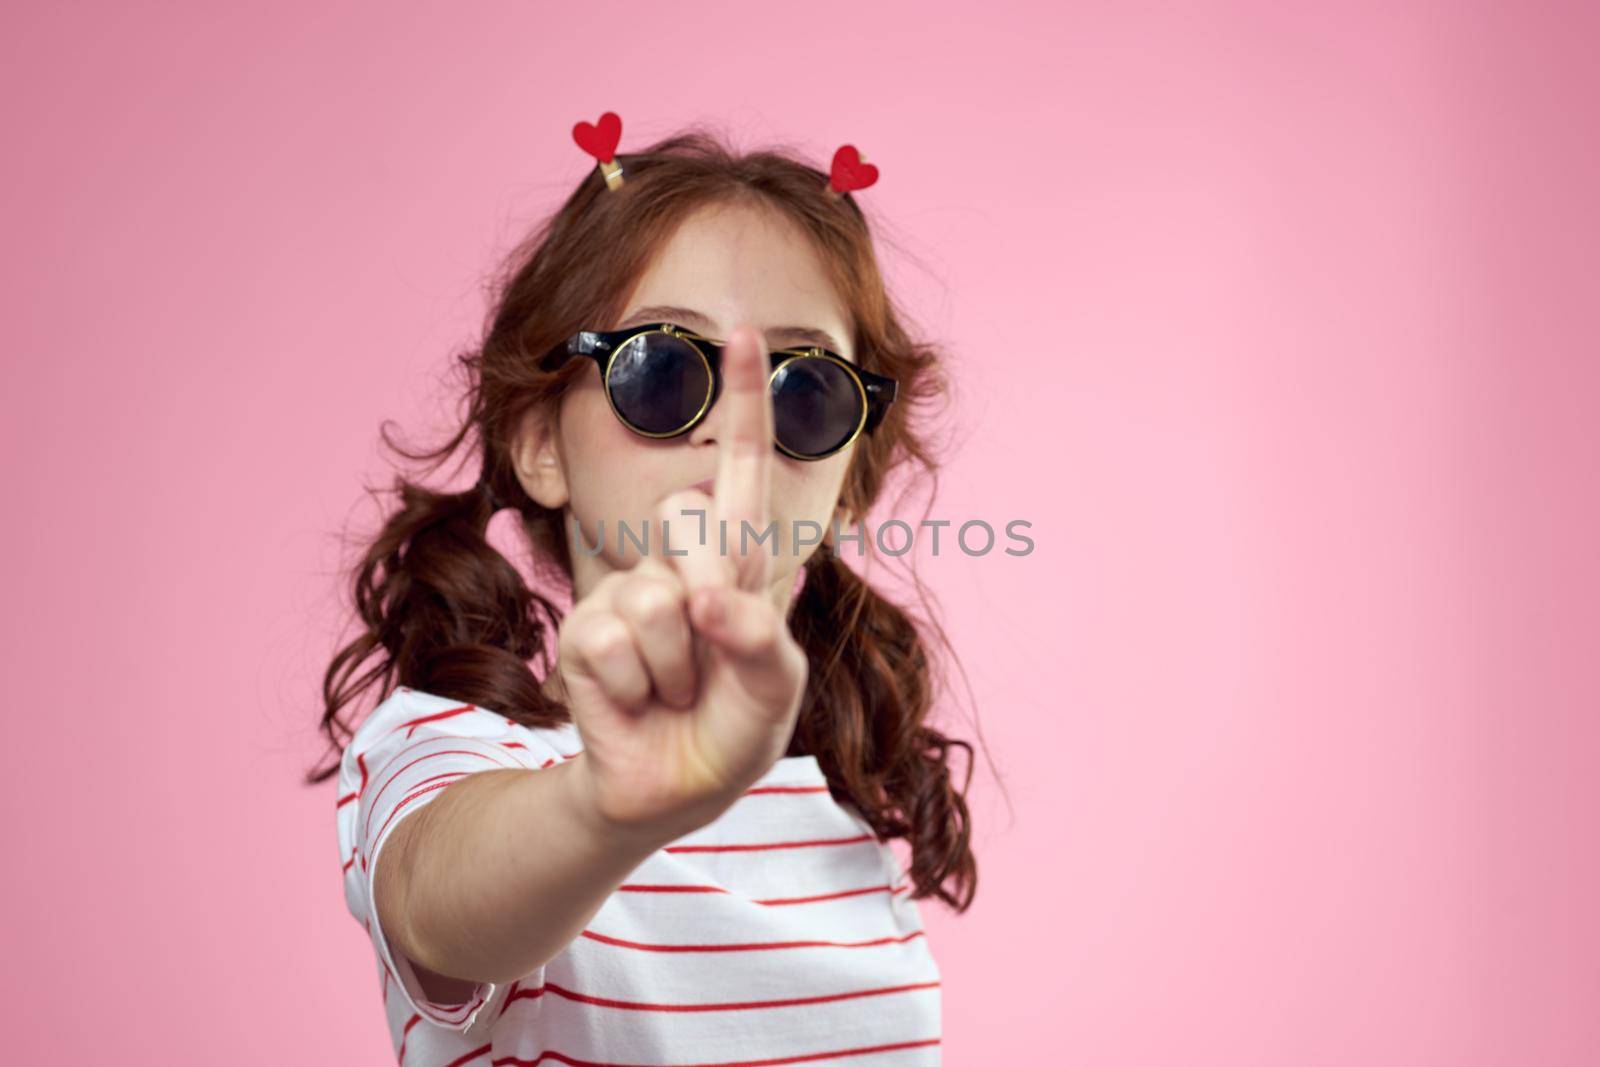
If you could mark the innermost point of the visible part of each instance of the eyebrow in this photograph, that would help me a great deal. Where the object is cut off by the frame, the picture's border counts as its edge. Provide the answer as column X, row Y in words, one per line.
column 703, row 323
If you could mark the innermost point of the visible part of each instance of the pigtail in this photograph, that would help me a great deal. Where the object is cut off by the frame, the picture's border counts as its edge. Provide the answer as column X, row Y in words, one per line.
column 442, row 611
column 867, row 694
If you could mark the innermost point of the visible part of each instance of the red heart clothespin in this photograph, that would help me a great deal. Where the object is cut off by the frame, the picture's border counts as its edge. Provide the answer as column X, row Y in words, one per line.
column 600, row 141
column 851, row 171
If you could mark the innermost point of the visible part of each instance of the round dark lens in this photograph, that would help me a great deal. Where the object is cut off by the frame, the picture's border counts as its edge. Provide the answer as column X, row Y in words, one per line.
column 816, row 405
column 658, row 383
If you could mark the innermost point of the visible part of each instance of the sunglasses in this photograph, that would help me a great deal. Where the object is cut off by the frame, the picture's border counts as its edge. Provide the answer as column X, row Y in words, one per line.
column 661, row 379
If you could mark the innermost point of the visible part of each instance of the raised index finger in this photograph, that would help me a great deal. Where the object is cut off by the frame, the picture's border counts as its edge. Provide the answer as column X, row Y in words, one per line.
column 744, row 455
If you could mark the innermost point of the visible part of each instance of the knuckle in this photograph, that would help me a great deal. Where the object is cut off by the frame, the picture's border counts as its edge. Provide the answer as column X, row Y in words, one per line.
column 653, row 601
column 604, row 638
column 656, row 570
column 800, row 662
column 762, row 632
column 601, row 595
column 570, row 634
column 649, row 568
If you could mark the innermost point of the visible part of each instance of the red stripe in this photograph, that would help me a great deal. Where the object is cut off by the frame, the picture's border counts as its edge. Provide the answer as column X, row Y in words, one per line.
column 410, row 726
column 865, row 1050
column 735, row 1005
column 408, row 799
column 511, row 994
column 373, row 807
column 750, row 946
column 892, row 890
column 766, row 845
column 833, row 896
column 361, row 761
column 561, row 755
column 405, row 1035
column 349, row 862
column 474, row 1054
column 388, row 975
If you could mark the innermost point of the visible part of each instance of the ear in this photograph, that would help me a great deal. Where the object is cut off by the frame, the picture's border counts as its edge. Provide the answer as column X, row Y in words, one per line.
column 536, row 455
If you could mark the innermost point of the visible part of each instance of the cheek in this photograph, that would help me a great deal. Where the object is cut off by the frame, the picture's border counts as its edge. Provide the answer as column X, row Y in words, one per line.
column 590, row 447
column 591, row 434
column 805, row 492
column 613, row 474
column 802, row 490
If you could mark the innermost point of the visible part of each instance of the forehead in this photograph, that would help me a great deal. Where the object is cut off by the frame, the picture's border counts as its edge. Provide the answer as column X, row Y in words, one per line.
column 736, row 263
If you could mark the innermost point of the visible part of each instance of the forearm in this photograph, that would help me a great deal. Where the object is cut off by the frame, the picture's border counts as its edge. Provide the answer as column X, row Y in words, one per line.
column 503, row 870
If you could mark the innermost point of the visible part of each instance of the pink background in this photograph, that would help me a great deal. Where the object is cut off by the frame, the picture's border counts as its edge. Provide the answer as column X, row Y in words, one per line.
column 1276, row 322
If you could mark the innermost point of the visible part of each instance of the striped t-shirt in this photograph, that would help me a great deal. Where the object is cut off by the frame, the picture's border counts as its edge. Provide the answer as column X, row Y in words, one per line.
column 781, row 932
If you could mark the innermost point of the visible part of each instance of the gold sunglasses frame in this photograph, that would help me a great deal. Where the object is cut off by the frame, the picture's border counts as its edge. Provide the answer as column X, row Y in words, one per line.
column 876, row 391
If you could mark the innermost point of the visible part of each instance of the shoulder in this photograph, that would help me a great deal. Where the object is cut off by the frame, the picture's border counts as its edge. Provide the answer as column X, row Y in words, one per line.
column 414, row 744
column 410, row 717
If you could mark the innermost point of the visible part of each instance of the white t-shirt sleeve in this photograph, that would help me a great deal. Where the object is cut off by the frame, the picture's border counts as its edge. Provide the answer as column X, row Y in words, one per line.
column 400, row 758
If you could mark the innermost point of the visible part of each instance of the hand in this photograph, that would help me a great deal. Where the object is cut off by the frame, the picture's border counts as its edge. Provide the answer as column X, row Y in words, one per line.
column 680, row 672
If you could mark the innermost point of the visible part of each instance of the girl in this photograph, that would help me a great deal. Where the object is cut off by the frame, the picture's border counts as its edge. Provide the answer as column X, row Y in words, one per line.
column 671, row 844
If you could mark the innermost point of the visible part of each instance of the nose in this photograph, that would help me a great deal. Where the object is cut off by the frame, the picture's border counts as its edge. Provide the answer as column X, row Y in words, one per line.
column 707, row 430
